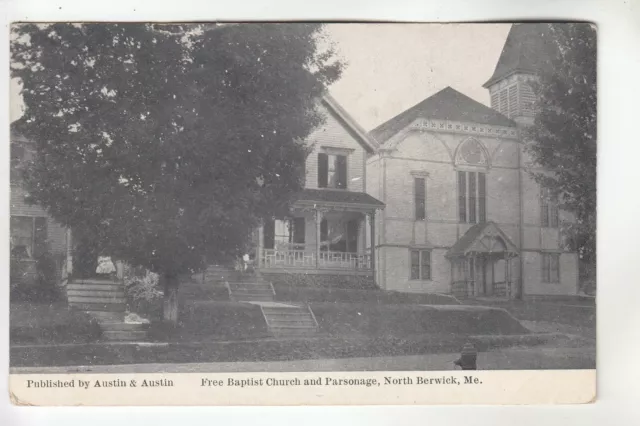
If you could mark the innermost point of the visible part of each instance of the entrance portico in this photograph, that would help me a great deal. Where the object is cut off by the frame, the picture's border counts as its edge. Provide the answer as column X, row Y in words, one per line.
column 481, row 262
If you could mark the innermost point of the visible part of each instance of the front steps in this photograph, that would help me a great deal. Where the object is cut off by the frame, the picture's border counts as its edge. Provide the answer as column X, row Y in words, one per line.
column 122, row 331
column 283, row 320
column 105, row 300
column 247, row 287
column 289, row 320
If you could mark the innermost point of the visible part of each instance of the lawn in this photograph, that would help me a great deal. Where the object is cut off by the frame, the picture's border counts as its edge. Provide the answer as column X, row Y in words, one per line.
column 574, row 316
column 50, row 323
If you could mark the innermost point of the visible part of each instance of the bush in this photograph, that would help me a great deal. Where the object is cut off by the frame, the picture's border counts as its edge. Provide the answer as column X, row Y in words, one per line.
column 143, row 293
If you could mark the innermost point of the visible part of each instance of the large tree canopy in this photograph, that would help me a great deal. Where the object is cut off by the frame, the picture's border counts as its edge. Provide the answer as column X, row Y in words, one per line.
column 563, row 137
column 167, row 144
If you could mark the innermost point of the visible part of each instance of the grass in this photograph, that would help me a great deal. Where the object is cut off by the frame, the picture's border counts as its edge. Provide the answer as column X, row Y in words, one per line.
column 577, row 315
column 286, row 293
column 52, row 323
column 212, row 321
column 405, row 320
column 260, row 350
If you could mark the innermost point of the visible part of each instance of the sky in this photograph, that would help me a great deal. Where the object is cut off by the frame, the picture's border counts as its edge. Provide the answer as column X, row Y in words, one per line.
column 391, row 67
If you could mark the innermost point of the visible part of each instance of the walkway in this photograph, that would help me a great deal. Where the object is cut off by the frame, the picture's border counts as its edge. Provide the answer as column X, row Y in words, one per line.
column 543, row 357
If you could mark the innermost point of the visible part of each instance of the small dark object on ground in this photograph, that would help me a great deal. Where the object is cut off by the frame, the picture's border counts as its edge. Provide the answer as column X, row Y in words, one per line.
column 468, row 358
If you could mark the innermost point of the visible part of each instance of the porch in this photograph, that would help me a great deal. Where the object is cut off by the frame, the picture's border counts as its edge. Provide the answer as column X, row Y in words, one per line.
column 327, row 231
column 481, row 263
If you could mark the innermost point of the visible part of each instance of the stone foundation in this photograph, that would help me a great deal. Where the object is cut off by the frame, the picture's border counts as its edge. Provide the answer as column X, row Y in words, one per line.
column 337, row 281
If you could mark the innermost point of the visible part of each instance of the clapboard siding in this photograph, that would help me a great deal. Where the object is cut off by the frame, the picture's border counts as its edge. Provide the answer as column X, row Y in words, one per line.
column 56, row 234
column 334, row 134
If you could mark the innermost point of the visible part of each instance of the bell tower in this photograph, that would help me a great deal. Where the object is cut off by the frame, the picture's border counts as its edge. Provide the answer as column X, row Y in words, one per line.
column 521, row 58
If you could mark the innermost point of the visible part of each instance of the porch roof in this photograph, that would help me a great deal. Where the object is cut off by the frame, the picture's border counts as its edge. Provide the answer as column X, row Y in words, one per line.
column 471, row 241
column 338, row 197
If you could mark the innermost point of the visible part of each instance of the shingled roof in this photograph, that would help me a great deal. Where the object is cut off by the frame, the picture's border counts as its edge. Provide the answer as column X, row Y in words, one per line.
column 467, row 242
column 337, row 197
column 447, row 104
column 523, row 51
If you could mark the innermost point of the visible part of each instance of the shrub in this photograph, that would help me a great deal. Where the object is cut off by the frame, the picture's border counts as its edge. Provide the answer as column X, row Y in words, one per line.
column 143, row 292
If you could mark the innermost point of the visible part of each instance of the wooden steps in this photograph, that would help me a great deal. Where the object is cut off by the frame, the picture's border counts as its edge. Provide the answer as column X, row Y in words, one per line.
column 105, row 300
column 289, row 320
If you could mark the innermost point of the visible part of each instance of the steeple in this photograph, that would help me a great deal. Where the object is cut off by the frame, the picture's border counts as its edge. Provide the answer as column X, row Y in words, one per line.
column 522, row 57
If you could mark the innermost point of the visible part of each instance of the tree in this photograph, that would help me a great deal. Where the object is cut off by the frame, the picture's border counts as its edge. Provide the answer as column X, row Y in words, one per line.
column 167, row 145
column 563, row 137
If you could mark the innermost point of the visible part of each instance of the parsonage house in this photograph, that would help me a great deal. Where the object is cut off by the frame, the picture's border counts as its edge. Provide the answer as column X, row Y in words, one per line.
column 32, row 232
column 463, row 215
column 327, row 239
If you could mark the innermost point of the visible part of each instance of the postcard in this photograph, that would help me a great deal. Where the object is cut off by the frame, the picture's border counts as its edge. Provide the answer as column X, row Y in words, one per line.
column 302, row 213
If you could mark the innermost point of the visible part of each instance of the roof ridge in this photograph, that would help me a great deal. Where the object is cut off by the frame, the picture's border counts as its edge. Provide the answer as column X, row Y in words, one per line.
column 446, row 104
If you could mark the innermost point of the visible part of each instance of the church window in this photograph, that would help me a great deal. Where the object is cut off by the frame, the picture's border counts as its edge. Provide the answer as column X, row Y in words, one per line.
column 548, row 209
column 472, row 195
column 420, row 198
column 551, row 267
column 420, row 264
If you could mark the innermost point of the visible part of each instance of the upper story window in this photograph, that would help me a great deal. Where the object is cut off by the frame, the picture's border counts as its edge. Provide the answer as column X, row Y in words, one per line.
column 548, row 209
column 332, row 171
column 17, row 160
column 28, row 236
column 472, row 197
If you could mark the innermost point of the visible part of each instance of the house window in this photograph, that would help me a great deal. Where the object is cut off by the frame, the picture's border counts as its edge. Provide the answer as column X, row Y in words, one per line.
column 339, row 235
column 420, row 264
column 332, row 171
column 284, row 234
column 472, row 197
column 28, row 236
column 548, row 209
column 17, row 159
column 551, row 267
column 420, row 198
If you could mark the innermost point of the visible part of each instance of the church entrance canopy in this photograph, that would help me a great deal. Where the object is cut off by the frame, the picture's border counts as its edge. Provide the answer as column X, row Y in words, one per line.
column 481, row 262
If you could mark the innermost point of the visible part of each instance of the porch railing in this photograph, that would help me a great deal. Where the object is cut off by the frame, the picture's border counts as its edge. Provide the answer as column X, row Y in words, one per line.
column 273, row 258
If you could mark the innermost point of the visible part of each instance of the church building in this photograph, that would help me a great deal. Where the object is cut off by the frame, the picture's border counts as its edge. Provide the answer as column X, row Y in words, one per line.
column 463, row 215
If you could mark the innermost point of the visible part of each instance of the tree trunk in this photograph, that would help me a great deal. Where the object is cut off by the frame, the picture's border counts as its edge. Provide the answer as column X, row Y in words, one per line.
column 170, row 312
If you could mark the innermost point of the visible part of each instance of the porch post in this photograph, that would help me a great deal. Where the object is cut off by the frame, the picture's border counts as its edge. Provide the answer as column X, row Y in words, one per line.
column 260, row 245
column 372, row 224
column 318, row 219
column 69, row 259
column 507, row 272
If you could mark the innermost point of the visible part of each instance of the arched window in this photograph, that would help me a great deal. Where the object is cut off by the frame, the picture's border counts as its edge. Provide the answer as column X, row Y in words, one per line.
column 472, row 182
column 471, row 152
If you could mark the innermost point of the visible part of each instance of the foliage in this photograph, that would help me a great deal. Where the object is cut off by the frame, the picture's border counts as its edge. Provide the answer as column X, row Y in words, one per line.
column 166, row 145
column 563, row 137
column 141, row 284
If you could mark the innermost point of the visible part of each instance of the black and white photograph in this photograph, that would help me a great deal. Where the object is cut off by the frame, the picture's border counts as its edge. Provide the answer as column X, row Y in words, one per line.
column 301, row 197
